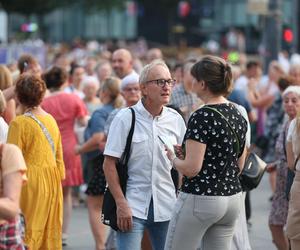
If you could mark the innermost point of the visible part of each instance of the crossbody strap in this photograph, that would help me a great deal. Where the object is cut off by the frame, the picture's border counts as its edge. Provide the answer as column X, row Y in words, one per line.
column 231, row 128
column 296, row 161
column 126, row 154
column 44, row 129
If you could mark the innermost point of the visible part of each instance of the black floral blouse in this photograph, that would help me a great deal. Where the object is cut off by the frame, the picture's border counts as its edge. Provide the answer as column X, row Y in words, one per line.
column 219, row 173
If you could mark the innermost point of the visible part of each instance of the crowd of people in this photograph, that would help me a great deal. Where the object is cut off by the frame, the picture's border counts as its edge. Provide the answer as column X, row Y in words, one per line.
column 64, row 127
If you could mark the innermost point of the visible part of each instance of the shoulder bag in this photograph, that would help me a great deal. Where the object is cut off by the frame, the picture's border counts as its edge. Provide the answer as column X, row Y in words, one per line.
column 44, row 129
column 254, row 166
column 290, row 178
column 109, row 208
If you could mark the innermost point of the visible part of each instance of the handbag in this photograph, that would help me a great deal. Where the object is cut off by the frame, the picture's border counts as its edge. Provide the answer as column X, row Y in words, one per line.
column 254, row 166
column 109, row 208
column 252, row 172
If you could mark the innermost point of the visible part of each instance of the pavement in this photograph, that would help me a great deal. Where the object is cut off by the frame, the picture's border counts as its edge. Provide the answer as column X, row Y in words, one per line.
column 80, row 236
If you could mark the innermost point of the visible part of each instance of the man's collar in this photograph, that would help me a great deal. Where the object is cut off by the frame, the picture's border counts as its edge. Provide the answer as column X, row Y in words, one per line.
column 142, row 110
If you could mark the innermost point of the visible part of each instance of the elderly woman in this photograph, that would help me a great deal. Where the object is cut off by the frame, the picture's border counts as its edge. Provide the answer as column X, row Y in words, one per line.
column 293, row 153
column 214, row 154
column 279, row 209
column 37, row 135
column 111, row 98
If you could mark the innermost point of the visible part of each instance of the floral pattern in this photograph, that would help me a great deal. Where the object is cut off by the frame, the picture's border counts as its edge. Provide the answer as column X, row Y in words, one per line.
column 219, row 173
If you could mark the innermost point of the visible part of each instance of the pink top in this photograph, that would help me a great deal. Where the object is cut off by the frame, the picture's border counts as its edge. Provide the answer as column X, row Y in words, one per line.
column 66, row 108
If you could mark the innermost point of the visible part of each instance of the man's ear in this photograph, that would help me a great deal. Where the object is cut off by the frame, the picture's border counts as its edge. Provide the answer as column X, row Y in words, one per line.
column 143, row 89
column 203, row 85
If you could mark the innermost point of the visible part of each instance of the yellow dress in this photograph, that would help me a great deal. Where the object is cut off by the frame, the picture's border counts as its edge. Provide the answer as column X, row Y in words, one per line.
column 41, row 198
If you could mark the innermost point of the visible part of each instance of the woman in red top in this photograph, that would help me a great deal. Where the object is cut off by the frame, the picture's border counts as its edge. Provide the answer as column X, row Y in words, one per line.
column 66, row 109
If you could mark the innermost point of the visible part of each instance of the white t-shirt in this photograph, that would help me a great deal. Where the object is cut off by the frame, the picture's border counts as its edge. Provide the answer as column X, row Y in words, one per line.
column 3, row 130
column 294, row 137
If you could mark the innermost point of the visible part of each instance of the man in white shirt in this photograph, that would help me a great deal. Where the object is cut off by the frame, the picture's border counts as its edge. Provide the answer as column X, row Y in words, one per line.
column 150, row 193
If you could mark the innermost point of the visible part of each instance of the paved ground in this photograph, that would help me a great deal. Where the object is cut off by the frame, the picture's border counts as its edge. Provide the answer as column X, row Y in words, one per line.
column 80, row 237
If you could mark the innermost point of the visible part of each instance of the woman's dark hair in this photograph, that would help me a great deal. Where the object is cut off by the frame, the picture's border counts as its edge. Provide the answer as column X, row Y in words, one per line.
column 25, row 61
column 285, row 81
column 30, row 90
column 215, row 72
column 55, row 77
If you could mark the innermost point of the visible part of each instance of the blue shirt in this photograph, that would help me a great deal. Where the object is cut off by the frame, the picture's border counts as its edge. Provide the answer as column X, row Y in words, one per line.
column 239, row 97
column 96, row 124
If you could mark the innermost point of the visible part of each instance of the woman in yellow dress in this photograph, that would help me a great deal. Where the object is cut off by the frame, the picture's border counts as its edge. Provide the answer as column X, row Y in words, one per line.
column 40, row 142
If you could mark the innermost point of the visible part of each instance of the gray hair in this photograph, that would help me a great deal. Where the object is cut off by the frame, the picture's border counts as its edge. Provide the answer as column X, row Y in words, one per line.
column 292, row 89
column 145, row 71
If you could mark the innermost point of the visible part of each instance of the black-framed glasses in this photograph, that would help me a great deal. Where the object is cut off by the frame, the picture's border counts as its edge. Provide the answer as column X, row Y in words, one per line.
column 163, row 82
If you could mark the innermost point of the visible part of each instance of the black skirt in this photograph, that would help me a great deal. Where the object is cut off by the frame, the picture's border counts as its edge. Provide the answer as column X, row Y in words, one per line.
column 97, row 183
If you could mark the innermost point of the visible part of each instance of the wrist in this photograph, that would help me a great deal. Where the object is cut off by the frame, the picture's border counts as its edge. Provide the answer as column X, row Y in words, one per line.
column 173, row 162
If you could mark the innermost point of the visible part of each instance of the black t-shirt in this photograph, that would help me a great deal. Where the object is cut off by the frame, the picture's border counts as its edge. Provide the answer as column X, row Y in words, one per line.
column 219, row 173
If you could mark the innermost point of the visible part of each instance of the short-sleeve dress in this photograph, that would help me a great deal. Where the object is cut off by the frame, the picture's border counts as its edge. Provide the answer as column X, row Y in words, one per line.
column 66, row 108
column 41, row 197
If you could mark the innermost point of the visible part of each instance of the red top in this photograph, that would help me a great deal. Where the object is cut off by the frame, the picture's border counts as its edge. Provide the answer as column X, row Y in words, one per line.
column 66, row 108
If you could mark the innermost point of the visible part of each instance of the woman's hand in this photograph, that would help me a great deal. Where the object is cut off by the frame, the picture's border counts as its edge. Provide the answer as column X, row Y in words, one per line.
column 178, row 151
column 271, row 167
column 77, row 149
column 170, row 154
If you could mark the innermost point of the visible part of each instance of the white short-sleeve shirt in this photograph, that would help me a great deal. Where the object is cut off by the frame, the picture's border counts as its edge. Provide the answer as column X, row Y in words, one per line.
column 148, row 167
column 293, row 137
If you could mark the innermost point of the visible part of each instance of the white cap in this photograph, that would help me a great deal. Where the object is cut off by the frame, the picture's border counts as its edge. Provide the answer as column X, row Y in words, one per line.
column 132, row 78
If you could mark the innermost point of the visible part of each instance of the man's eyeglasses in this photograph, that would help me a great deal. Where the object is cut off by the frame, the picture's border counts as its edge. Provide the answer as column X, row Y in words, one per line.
column 163, row 82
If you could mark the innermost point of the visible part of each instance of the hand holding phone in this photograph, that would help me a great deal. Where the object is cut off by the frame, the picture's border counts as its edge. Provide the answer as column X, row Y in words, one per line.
column 167, row 144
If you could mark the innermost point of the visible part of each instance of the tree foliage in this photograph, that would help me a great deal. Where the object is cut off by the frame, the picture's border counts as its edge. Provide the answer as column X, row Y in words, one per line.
column 159, row 5
column 28, row 7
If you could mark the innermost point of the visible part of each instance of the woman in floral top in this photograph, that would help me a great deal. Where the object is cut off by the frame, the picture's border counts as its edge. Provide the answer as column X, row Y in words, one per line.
column 214, row 146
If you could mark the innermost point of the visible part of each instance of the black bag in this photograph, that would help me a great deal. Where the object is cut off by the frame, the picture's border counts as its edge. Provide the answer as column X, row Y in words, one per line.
column 252, row 172
column 289, row 182
column 109, row 208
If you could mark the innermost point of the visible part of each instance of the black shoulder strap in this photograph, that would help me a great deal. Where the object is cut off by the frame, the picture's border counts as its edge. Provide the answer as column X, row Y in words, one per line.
column 126, row 154
column 231, row 128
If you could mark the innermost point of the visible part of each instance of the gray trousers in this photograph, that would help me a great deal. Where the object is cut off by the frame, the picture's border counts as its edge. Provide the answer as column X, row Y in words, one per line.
column 206, row 221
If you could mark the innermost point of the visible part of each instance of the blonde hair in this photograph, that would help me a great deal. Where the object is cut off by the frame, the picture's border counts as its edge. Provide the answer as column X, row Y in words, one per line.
column 2, row 103
column 6, row 79
column 113, row 86
column 146, row 70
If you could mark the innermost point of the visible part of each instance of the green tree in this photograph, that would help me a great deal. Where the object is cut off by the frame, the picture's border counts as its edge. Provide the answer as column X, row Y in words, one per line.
column 30, row 7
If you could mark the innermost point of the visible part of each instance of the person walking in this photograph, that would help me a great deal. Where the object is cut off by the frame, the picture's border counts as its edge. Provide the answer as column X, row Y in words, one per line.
column 94, row 133
column 66, row 108
column 36, row 133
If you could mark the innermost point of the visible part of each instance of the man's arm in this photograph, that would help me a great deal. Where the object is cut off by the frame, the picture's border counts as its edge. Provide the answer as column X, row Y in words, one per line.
column 124, row 214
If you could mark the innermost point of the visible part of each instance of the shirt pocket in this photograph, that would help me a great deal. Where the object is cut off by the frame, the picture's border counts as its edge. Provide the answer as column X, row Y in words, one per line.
column 139, row 145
